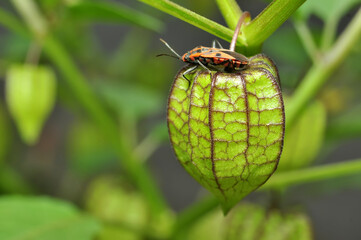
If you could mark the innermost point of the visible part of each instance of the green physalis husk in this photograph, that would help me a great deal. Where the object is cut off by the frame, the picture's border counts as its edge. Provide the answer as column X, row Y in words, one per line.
column 227, row 129
column 30, row 95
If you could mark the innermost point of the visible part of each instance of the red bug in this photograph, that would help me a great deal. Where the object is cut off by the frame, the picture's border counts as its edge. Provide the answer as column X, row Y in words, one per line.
column 220, row 59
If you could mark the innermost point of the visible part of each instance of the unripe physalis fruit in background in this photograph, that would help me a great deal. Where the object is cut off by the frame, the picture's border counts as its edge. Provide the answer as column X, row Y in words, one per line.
column 30, row 95
column 227, row 129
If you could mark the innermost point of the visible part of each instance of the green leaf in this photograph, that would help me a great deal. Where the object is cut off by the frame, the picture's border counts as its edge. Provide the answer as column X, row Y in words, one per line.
column 113, row 12
column 30, row 94
column 227, row 130
column 41, row 218
column 304, row 140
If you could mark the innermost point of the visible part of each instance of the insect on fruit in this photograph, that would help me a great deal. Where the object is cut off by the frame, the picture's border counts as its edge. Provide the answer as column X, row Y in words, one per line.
column 227, row 128
column 220, row 59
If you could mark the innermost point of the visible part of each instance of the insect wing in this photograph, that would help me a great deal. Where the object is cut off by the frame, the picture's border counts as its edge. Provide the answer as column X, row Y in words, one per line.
column 235, row 55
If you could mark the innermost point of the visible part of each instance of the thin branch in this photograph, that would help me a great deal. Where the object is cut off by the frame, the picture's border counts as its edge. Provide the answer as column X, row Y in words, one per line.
column 313, row 174
column 319, row 73
column 307, row 40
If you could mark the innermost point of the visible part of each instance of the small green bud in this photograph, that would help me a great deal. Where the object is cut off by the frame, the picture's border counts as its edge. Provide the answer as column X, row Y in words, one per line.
column 30, row 95
column 227, row 128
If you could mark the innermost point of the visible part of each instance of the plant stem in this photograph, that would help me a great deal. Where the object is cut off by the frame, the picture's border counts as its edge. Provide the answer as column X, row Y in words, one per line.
column 319, row 73
column 192, row 18
column 90, row 103
column 231, row 12
column 253, row 35
column 329, row 33
column 269, row 20
column 313, row 174
column 307, row 40
column 32, row 16
column 277, row 181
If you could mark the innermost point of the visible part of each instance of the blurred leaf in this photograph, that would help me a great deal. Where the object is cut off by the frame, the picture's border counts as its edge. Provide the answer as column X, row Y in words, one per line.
column 304, row 140
column 43, row 218
column 110, row 201
column 129, row 100
column 88, row 150
column 30, row 94
column 113, row 12
column 326, row 9
column 12, row 182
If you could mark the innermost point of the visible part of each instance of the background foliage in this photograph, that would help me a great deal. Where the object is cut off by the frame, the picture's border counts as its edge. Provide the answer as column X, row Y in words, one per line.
column 101, row 155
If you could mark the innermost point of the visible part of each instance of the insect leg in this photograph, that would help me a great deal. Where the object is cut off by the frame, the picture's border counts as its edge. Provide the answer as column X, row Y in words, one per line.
column 199, row 62
column 188, row 71
column 216, row 42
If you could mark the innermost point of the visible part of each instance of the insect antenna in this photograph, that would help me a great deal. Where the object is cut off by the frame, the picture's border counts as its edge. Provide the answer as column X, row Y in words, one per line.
column 175, row 53
column 164, row 54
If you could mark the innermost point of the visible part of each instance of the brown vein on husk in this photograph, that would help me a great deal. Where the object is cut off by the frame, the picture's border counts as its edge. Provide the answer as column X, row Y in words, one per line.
column 210, row 124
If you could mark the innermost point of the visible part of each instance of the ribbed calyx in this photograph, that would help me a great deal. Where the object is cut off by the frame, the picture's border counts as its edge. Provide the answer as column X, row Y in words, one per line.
column 227, row 129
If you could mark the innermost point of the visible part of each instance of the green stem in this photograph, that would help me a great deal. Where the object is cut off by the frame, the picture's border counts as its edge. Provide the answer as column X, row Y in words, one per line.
column 32, row 16
column 90, row 103
column 192, row 18
column 329, row 33
column 277, row 181
column 320, row 72
column 307, row 40
column 253, row 34
column 269, row 20
column 231, row 12
column 313, row 174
